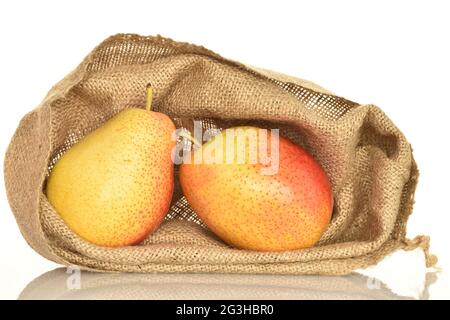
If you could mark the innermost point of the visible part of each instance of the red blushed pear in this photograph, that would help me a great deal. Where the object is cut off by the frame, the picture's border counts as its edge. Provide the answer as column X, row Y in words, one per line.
column 286, row 209
column 114, row 187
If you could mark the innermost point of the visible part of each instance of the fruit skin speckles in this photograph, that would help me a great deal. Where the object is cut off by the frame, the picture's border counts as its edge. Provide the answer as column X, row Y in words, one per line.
column 285, row 211
column 114, row 187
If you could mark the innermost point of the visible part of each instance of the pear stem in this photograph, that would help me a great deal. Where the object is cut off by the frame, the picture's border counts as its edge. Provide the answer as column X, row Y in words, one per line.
column 148, row 103
column 186, row 134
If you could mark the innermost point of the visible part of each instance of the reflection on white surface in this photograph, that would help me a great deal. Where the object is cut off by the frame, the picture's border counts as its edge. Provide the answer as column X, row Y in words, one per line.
column 69, row 283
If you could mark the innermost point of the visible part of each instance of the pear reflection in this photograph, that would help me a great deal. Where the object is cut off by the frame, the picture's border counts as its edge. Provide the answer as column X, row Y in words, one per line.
column 69, row 283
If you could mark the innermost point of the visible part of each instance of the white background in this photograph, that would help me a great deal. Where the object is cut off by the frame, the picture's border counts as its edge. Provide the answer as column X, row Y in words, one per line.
column 394, row 54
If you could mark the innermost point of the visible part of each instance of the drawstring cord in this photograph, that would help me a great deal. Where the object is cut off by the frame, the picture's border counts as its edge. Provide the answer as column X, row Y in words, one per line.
column 422, row 242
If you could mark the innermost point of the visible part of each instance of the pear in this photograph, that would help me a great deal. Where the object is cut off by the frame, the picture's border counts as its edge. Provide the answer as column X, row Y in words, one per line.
column 256, row 205
column 114, row 187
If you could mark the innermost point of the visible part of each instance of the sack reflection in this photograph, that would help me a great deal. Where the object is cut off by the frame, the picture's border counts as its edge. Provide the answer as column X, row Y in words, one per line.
column 72, row 284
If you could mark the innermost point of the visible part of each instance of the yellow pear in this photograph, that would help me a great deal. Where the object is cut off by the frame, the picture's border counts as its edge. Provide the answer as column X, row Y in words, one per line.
column 114, row 186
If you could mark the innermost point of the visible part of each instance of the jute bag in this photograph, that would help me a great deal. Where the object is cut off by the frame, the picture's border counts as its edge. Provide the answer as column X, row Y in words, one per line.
column 367, row 158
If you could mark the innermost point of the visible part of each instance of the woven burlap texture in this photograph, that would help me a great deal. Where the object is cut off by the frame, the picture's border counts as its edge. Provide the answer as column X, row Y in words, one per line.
column 367, row 158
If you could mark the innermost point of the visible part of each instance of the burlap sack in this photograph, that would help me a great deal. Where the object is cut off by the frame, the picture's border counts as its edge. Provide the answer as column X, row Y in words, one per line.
column 367, row 158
